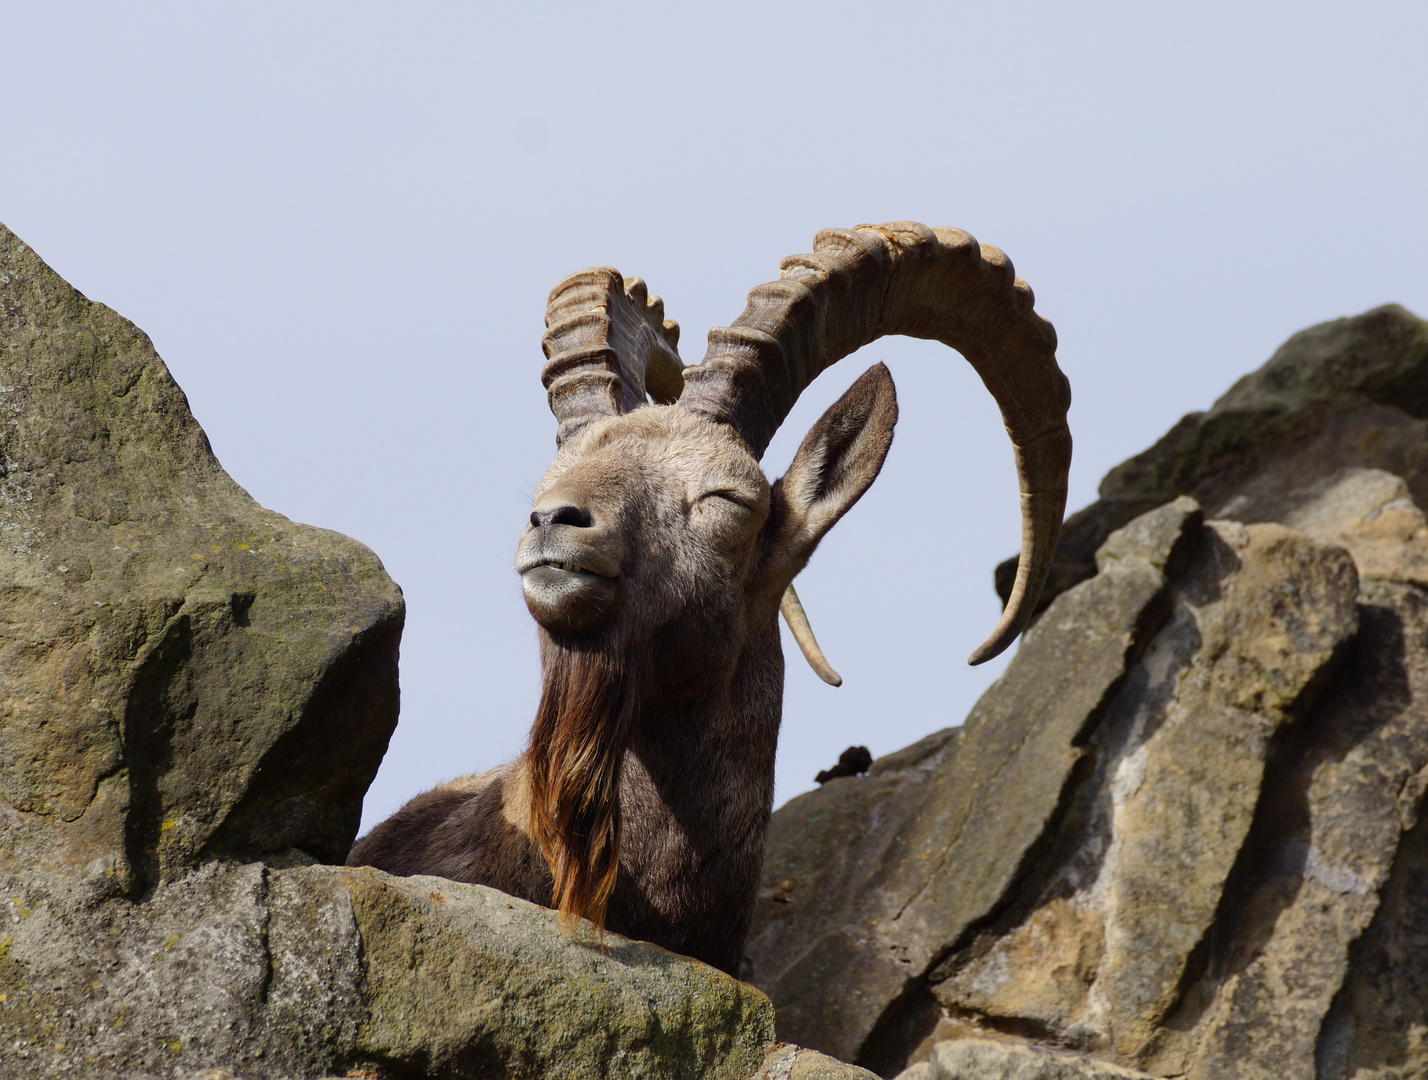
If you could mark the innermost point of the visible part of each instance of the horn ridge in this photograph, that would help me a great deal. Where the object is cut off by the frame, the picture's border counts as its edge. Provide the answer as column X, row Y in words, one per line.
column 607, row 344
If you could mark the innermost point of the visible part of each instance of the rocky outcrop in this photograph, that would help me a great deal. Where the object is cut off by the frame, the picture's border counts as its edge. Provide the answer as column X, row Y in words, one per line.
column 318, row 970
column 1181, row 836
column 183, row 674
column 1182, row 833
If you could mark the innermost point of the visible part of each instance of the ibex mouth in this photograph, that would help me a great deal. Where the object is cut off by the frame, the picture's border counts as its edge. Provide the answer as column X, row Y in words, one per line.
column 567, row 596
column 526, row 565
column 574, row 568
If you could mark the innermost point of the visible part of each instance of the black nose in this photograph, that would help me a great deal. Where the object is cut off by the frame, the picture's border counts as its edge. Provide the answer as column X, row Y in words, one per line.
column 562, row 515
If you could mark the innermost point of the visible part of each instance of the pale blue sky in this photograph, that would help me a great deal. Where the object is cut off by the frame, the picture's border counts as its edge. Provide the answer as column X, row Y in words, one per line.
column 339, row 223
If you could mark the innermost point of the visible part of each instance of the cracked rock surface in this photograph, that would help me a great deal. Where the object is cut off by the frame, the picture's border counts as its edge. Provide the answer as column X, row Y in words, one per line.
column 1182, row 834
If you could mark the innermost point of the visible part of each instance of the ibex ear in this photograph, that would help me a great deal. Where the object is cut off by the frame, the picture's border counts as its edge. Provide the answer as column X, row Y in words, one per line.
column 837, row 462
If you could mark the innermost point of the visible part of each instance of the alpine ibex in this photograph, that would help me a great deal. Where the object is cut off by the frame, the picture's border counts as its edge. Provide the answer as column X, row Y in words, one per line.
column 657, row 556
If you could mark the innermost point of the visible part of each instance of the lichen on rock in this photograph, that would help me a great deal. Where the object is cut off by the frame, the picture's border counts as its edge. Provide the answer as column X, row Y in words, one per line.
column 182, row 672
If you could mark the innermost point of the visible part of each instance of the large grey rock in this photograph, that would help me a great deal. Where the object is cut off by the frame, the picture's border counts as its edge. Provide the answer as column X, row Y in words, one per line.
column 1104, row 948
column 1337, row 816
column 1229, row 882
column 1136, row 718
column 1314, row 963
column 309, row 971
column 182, row 673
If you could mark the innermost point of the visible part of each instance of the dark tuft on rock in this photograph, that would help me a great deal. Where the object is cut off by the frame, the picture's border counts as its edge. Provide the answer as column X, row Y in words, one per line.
column 854, row 761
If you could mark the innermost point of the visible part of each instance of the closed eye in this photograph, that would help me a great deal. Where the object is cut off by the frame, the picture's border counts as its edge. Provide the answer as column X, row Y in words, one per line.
column 729, row 497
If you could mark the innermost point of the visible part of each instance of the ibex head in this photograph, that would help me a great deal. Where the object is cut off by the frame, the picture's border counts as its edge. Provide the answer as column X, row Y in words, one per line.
column 657, row 553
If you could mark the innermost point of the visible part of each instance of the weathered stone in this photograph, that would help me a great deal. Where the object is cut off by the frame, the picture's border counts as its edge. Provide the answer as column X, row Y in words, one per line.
column 533, row 1001
column 1097, row 803
column 1372, row 514
column 1156, row 831
column 1165, row 538
column 787, row 1062
column 1231, row 883
column 226, row 964
column 982, row 1059
column 1331, row 823
column 1378, row 1026
column 182, row 673
column 1309, row 968
column 308, row 971
column 869, row 880
column 1329, row 829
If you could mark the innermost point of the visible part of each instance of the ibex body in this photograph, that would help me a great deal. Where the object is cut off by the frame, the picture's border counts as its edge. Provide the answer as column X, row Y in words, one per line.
column 657, row 557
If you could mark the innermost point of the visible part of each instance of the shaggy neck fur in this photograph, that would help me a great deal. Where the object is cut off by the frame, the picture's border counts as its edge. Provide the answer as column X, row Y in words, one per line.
column 649, row 805
column 587, row 715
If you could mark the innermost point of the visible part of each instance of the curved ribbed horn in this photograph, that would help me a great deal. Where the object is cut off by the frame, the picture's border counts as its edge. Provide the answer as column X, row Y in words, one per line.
column 606, row 343
column 904, row 278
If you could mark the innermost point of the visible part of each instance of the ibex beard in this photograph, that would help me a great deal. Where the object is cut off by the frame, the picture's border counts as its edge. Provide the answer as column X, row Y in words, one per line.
column 583, row 726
